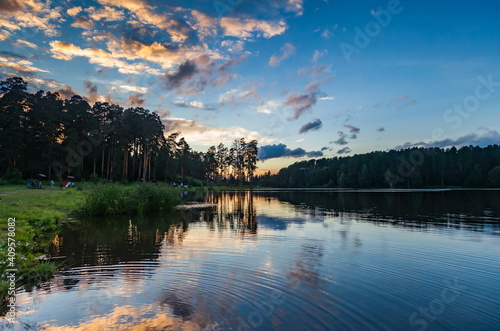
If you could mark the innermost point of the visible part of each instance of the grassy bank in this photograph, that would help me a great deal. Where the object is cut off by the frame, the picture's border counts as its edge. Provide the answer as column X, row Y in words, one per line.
column 39, row 214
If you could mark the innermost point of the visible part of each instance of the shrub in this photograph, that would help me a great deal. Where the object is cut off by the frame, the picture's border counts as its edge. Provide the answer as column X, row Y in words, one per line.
column 113, row 199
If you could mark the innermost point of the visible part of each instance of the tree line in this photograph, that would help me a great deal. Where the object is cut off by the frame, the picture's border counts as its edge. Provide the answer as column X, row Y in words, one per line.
column 44, row 133
column 469, row 166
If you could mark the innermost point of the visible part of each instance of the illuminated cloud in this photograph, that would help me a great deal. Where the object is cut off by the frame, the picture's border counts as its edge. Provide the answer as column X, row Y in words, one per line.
column 33, row 14
column 74, row 11
column 24, row 43
column 65, row 51
column 198, row 134
column 82, row 22
column 247, row 28
column 137, row 89
column 193, row 104
column 106, row 13
column 19, row 66
column 178, row 30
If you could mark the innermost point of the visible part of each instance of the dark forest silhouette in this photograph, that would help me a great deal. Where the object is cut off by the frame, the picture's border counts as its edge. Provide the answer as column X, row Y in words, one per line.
column 44, row 133
column 469, row 166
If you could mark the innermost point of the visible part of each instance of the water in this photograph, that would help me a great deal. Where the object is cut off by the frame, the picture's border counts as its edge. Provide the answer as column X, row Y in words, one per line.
column 285, row 260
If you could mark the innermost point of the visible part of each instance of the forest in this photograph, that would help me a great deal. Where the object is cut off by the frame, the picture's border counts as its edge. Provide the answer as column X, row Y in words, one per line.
column 43, row 133
column 469, row 166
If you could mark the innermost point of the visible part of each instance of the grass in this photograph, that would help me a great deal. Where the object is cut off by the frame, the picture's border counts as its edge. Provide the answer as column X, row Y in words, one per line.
column 39, row 214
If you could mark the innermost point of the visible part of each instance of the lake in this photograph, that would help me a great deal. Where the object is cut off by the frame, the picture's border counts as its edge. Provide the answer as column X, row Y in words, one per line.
column 283, row 260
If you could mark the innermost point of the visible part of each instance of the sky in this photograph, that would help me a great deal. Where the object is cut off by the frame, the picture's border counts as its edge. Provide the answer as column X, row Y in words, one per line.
column 307, row 79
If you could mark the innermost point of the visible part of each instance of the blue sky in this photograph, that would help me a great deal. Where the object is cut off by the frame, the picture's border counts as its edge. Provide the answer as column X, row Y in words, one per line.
column 304, row 78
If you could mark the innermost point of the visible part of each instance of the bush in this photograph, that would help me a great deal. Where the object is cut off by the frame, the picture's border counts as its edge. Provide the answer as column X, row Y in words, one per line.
column 114, row 199
column 13, row 174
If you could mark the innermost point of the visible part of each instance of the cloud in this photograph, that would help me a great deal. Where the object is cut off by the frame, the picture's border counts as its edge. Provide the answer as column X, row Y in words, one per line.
column 287, row 50
column 19, row 66
column 205, row 25
column 341, row 140
column 178, row 30
column 24, row 43
column 316, row 70
column 318, row 54
column 301, row 102
column 295, row 6
column 10, row 6
column 136, row 100
column 82, row 22
column 4, row 34
column 352, row 129
column 91, row 91
column 66, row 92
column 74, row 11
column 245, row 28
column 268, row 106
column 65, row 51
column 200, row 72
column 107, row 13
column 184, row 72
column 397, row 100
column 327, row 32
column 239, row 93
column 485, row 138
column 407, row 104
column 345, row 150
column 30, row 14
column 381, row 129
column 313, row 125
column 378, row 104
column 193, row 104
column 189, row 91
column 137, row 89
column 280, row 150
column 11, row 55
column 199, row 134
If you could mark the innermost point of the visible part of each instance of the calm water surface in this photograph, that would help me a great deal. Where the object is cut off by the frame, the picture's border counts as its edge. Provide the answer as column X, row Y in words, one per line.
column 281, row 260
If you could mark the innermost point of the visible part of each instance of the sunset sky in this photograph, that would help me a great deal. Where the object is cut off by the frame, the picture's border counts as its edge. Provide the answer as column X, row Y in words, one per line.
column 305, row 78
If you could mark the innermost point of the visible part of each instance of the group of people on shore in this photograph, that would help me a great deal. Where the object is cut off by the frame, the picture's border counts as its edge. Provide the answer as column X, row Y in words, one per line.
column 39, row 185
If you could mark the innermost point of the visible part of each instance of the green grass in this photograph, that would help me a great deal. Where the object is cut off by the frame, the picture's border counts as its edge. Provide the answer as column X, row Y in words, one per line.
column 39, row 214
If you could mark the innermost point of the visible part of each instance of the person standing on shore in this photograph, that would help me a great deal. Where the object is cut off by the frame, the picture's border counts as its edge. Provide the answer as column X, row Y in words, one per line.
column 51, row 184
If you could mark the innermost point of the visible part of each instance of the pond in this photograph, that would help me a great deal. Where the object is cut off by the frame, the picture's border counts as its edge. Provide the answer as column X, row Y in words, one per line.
column 283, row 260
